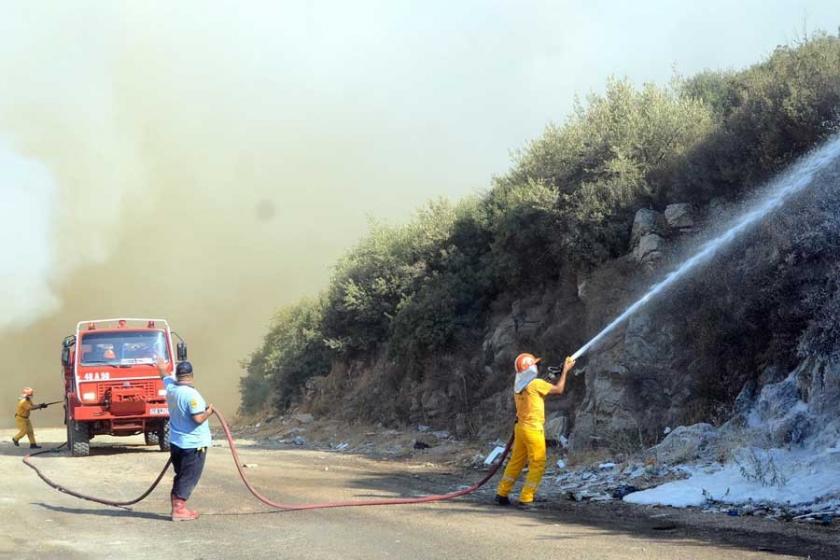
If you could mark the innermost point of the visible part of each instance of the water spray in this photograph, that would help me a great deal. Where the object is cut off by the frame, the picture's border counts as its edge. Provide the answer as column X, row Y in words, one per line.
column 790, row 182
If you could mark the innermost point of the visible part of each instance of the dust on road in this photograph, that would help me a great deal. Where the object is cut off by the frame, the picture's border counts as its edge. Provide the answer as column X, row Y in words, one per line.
column 42, row 523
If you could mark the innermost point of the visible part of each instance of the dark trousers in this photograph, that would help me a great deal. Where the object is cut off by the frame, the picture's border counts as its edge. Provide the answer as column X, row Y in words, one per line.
column 188, row 464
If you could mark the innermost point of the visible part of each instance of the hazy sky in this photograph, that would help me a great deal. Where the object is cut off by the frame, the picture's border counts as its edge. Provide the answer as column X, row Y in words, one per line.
column 208, row 161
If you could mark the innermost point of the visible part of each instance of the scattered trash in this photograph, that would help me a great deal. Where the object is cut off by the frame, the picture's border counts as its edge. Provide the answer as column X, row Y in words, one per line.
column 258, row 424
column 563, row 441
column 299, row 440
column 606, row 466
column 561, row 464
column 342, row 446
column 423, row 428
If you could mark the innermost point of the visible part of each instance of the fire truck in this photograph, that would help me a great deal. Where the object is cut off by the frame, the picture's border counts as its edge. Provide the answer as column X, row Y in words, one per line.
column 111, row 382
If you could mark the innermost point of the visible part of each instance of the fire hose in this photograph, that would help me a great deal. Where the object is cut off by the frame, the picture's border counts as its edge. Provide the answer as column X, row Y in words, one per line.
column 254, row 492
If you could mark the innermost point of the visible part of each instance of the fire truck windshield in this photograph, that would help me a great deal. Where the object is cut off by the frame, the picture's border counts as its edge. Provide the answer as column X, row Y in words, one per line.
column 123, row 348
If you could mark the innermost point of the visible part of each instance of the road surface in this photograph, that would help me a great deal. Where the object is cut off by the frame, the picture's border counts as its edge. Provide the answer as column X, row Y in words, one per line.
column 39, row 522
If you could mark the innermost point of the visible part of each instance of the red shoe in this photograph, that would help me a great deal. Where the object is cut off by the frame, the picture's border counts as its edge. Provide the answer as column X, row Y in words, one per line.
column 180, row 511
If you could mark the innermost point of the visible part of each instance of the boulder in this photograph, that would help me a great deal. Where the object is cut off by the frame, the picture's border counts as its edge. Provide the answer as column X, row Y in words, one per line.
column 650, row 249
column 646, row 222
column 524, row 323
column 680, row 216
column 556, row 426
column 686, row 443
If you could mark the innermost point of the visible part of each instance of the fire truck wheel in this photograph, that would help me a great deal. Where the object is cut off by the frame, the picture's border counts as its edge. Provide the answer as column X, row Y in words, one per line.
column 78, row 439
column 163, row 437
column 151, row 438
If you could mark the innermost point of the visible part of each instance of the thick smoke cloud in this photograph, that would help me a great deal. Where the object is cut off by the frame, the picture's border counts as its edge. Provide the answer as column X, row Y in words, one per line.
column 152, row 166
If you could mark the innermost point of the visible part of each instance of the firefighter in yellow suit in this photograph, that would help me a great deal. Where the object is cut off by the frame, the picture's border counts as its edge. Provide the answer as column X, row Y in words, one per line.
column 529, row 434
column 24, row 424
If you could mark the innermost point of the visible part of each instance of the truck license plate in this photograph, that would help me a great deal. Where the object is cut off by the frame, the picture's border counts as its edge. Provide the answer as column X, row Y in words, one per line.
column 154, row 411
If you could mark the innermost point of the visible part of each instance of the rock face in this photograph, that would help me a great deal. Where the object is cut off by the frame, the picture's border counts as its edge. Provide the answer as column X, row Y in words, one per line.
column 633, row 387
column 647, row 222
column 686, row 443
column 799, row 410
column 797, row 414
column 680, row 216
column 650, row 249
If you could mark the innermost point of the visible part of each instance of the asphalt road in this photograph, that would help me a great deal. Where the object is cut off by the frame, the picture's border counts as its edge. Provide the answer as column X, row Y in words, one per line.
column 39, row 522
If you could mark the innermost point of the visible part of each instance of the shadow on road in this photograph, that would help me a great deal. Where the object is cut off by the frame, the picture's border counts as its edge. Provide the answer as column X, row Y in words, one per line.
column 105, row 512
column 661, row 524
column 8, row 449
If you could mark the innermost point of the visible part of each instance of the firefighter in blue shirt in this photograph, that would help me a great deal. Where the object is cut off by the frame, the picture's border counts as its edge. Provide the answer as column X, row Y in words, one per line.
column 189, row 435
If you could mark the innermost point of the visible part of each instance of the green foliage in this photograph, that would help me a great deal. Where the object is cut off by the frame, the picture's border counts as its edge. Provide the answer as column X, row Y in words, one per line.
column 607, row 160
column 377, row 278
column 769, row 114
column 293, row 351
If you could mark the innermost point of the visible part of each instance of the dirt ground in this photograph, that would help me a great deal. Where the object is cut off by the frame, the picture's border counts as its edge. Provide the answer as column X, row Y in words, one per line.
column 40, row 522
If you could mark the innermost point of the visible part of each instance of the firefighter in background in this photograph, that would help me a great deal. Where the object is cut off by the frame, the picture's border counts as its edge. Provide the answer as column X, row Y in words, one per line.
column 529, row 433
column 189, row 435
column 24, row 424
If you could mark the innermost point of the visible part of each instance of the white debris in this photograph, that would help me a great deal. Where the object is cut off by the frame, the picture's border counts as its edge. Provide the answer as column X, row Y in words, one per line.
column 250, row 465
column 299, row 440
column 342, row 446
column 495, row 454
column 423, row 428
column 606, row 466
column 561, row 464
column 667, row 430
column 778, row 476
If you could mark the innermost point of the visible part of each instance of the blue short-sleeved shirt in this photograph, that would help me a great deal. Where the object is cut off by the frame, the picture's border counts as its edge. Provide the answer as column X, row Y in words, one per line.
column 183, row 402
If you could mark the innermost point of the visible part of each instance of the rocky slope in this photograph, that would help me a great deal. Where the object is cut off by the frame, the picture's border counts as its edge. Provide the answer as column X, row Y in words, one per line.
column 733, row 329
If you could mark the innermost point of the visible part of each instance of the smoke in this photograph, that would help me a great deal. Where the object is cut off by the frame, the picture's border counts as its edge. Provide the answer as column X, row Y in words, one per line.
column 155, row 165
column 26, row 206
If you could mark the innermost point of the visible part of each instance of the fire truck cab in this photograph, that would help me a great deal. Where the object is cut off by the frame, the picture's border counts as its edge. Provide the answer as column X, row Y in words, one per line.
column 111, row 382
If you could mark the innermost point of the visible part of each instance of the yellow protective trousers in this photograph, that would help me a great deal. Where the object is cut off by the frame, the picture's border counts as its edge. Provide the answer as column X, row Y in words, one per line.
column 24, row 426
column 528, row 446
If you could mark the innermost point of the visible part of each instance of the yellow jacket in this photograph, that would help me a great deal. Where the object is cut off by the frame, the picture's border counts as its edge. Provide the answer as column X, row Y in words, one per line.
column 24, row 406
column 530, row 404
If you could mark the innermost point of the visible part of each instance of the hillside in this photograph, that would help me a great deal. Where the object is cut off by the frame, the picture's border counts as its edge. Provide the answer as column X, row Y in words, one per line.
column 421, row 321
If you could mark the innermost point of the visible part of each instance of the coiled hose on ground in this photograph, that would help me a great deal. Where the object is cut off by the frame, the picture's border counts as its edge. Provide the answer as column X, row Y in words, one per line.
column 254, row 492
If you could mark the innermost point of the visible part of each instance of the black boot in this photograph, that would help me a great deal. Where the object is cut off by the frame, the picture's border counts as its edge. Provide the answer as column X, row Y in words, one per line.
column 15, row 442
column 502, row 500
column 34, row 446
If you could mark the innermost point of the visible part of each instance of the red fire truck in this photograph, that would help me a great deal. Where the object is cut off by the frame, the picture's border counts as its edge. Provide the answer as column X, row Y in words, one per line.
column 111, row 381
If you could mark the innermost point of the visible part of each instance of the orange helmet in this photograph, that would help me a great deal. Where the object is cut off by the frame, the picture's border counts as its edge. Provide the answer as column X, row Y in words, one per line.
column 524, row 361
column 109, row 354
column 27, row 391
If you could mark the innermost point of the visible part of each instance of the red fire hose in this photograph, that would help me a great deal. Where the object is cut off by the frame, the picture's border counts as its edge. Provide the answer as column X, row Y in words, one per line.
column 270, row 503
